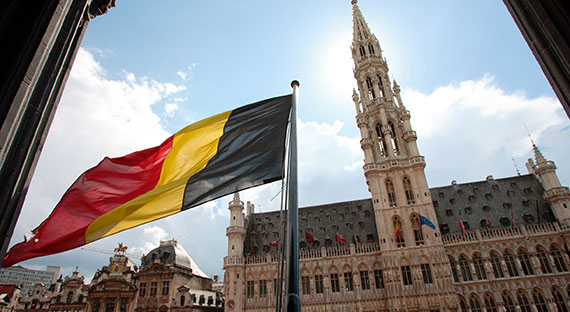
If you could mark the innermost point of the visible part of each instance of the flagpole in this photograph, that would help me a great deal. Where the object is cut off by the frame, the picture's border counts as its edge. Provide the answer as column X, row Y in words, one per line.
column 292, row 303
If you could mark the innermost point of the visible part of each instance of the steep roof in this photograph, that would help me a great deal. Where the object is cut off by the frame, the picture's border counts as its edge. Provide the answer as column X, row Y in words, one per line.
column 356, row 218
column 171, row 253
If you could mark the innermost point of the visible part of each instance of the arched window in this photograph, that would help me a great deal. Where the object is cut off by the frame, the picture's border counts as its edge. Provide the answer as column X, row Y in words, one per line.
column 453, row 266
column 371, row 49
column 543, row 259
column 394, row 142
column 408, row 190
column 510, row 262
column 559, row 300
column 508, row 302
column 539, row 301
column 490, row 304
column 417, row 228
column 496, row 264
column 362, row 51
column 370, row 87
column 391, row 193
column 381, row 143
column 380, row 86
column 182, row 301
column 474, row 303
column 558, row 260
column 479, row 268
column 465, row 269
column 525, row 262
column 524, row 303
column 463, row 304
column 400, row 242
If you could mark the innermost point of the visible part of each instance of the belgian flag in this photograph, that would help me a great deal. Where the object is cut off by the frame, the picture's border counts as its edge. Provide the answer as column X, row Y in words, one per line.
column 219, row 155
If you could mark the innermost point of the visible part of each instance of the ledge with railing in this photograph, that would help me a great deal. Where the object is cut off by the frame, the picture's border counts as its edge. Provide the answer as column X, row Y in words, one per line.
column 504, row 233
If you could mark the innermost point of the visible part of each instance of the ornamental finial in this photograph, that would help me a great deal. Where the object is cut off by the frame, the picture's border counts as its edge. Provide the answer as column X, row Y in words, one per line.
column 353, row 2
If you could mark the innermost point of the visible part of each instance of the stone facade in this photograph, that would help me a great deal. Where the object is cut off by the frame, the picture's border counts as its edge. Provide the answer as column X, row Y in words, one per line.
column 499, row 245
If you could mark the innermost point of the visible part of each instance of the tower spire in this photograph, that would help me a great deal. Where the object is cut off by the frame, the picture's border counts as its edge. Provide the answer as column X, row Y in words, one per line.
column 360, row 29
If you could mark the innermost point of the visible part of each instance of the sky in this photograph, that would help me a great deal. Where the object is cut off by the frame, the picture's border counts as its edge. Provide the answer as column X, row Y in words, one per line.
column 146, row 70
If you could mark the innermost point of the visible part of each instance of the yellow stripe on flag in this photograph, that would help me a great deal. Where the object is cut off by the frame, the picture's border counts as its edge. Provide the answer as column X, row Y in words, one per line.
column 192, row 149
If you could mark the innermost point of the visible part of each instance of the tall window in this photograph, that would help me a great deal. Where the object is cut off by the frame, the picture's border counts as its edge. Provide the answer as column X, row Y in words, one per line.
column 417, row 228
column 381, row 86
column 474, row 303
column 250, row 289
column 371, row 49
column 364, row 280
column 110, row 305
column 381, row 143
column 335, row 285
column 408, row 191
column 453, row 266
column 465, row 269
column 398, row 232
column 96, row 305
column 558, row 260
column 509, row 302
column 370, row 87
column 406, row 275
column 306, row 285
column 348, row 283
column 319, row 284
column 490, row 304
column 362, row 50
column 523, row 301
column 524, row 258
column 262, row 288
column 463, row 304
column 142, row 289
column 378, row 279
column 426, row 273
column 69, row 297
column 539, row 301
column 123, row 304
column 496, row 264
column 394, row 142
column 559, row 300
column 479, row 268
column 511, row 265
column 391, row 193
column 182, row 301
column 165, row 288
column 153, row 288
column 543, row 259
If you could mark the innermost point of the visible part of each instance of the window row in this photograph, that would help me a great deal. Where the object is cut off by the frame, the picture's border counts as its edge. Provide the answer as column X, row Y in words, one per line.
column 510, row 302
column 513, row 264
column 153, row 289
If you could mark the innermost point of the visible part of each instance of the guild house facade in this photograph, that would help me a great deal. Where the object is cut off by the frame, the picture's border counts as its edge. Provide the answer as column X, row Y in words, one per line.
column 498, row 245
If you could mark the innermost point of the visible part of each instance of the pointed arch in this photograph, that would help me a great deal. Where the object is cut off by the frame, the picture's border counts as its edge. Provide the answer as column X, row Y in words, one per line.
column 417, row 228
column 381, row 141
column 394, row 137
column 479, row 268
column 490, row 304
column 558, row 259
column 524, row 259
column 371, row 49
column 510, row 262
column 559, row 299
column 465, row 268
column 453, row 266
column 496, row 264
column 397, row 221
column 362, row 50
column 370, row 88
column 390, row 192
column 543, row 259
column 539, row 301
column 408, row 190
column 524, row 303
column 475, row 303
column 463, row 304
column 381, row 86
column 508, row 301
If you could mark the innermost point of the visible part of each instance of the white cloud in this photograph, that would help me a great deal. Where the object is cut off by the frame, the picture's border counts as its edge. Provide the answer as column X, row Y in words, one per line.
column 170, row 109
column 152, row 237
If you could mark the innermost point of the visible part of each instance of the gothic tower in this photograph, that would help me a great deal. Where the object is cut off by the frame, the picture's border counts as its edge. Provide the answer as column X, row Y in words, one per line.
column 234, row 262
column 557, row 196
column 405, row 217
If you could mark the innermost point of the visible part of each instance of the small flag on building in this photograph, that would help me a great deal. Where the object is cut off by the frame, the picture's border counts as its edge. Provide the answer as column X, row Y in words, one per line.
column 355, row 238
column 274, row 244
column 340, row 239
column 398, row 232
column 309, row 238
column 426, row 221
column 486, row 220
column 462, row 225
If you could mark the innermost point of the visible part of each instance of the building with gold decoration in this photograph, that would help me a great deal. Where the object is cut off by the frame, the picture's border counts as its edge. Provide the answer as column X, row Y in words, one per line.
column 493, row 245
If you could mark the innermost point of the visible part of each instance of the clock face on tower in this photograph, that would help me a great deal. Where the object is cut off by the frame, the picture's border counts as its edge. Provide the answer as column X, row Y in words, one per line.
column 231, row 304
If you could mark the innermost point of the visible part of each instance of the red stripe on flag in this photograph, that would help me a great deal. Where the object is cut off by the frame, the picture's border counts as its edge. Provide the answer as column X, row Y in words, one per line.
column 113, row 182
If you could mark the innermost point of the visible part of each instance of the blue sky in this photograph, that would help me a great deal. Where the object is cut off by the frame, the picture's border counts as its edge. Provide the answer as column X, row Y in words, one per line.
column 146, row 70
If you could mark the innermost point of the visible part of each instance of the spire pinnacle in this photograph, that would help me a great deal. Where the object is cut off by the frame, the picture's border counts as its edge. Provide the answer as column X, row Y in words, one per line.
column 360, row 30
column 236, row 197
column 538, row 155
